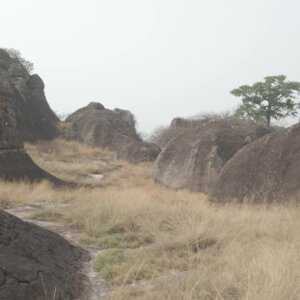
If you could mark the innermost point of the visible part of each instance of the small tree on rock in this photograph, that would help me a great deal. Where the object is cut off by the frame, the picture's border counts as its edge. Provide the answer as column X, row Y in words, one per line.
column 274, row 98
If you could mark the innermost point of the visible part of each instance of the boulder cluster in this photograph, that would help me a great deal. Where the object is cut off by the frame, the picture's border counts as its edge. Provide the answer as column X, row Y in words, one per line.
column 112, row 129
column 266, row 170
column 194, row 157
column 25, row 115
column 231, row 160
column 227, row 158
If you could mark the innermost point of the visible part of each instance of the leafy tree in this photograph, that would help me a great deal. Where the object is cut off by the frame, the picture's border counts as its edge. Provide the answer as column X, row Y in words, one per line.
column 17, row 56
column 273, row 98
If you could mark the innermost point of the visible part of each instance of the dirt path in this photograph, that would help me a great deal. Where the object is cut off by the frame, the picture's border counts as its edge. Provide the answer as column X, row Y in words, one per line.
column 96, row 287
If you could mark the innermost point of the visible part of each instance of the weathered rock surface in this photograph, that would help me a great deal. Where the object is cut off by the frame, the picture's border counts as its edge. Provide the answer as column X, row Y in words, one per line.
column 111, row 129
column 24, row 94
column 195, row 156
column 265, row 170
column 98, row 126
column 137, row 152
column 36, row 263
column 15, row 164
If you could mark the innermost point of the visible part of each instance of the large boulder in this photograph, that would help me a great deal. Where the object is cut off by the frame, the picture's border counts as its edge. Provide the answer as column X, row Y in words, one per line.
column 112, row 129
column 193, row 158
column 35, row 119
column 15, row 163
column 37, row 264
column 98, row 126
column 266, row 170
column 137, row 152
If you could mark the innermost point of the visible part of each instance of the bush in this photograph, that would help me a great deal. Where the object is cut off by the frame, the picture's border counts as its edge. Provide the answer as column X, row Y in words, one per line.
column 163, row 134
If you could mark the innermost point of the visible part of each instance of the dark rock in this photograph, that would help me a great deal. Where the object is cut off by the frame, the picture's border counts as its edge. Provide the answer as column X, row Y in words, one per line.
column 15, row 164
column 35, row 82
column 95, row 105
column 139, row 152
column 193, row 158
column 180, row 123
column 9, row 139
column 5, row 56
column 265, row 170
column 36, row 263
column 126, row 116
column 26, row 97
column 5, row 60
column 97, row 126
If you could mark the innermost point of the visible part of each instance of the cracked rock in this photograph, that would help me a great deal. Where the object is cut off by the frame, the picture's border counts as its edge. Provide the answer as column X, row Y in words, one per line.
column 37, row 264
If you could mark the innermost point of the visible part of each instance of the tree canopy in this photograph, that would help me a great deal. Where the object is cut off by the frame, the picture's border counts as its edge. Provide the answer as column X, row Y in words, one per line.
column 273, row 98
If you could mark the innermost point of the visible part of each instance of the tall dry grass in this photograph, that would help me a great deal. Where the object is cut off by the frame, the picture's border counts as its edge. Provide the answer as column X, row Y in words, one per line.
column 164, row 244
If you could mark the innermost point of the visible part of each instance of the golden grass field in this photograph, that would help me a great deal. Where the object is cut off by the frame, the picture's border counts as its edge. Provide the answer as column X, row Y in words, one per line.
column 165, row 244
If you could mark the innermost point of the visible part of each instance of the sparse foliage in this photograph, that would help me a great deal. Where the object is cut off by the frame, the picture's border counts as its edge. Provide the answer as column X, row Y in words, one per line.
column 17, row 55
column 157, row 135
column 212, row 115
column 274, row 98
column 163, row 134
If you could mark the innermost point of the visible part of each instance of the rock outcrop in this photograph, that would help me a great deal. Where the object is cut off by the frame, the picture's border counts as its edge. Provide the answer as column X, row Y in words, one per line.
column 193, row 158
column 15, row 163
column 36, row 263
column 98, row 126
column 137, row 152
column 266, row 170
column 34, row 118
column 112, row 129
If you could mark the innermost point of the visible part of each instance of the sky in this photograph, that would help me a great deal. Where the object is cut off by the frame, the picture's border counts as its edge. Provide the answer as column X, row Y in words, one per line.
column 158, row 58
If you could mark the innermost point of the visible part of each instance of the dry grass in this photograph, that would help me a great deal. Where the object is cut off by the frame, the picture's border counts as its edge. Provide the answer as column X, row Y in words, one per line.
column 163, row 244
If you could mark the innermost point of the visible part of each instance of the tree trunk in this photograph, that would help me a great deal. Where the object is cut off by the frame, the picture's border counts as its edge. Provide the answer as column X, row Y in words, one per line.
column 268, row 120
column 269, row 115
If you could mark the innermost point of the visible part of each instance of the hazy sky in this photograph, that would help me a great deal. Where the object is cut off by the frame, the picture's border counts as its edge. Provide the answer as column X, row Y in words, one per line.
column 158, row 58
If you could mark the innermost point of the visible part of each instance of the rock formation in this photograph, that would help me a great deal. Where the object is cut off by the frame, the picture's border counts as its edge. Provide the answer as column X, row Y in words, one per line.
column 265, row 170
column 98, row 126
column 136, row 152
column 193, row 158
column 34, row 118
column 111, row 129
column 15, row 164
column 36, row 263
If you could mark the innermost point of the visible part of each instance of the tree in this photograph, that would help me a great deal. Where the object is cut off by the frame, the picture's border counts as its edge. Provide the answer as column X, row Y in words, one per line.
column 274, row 98
column 17, row 56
